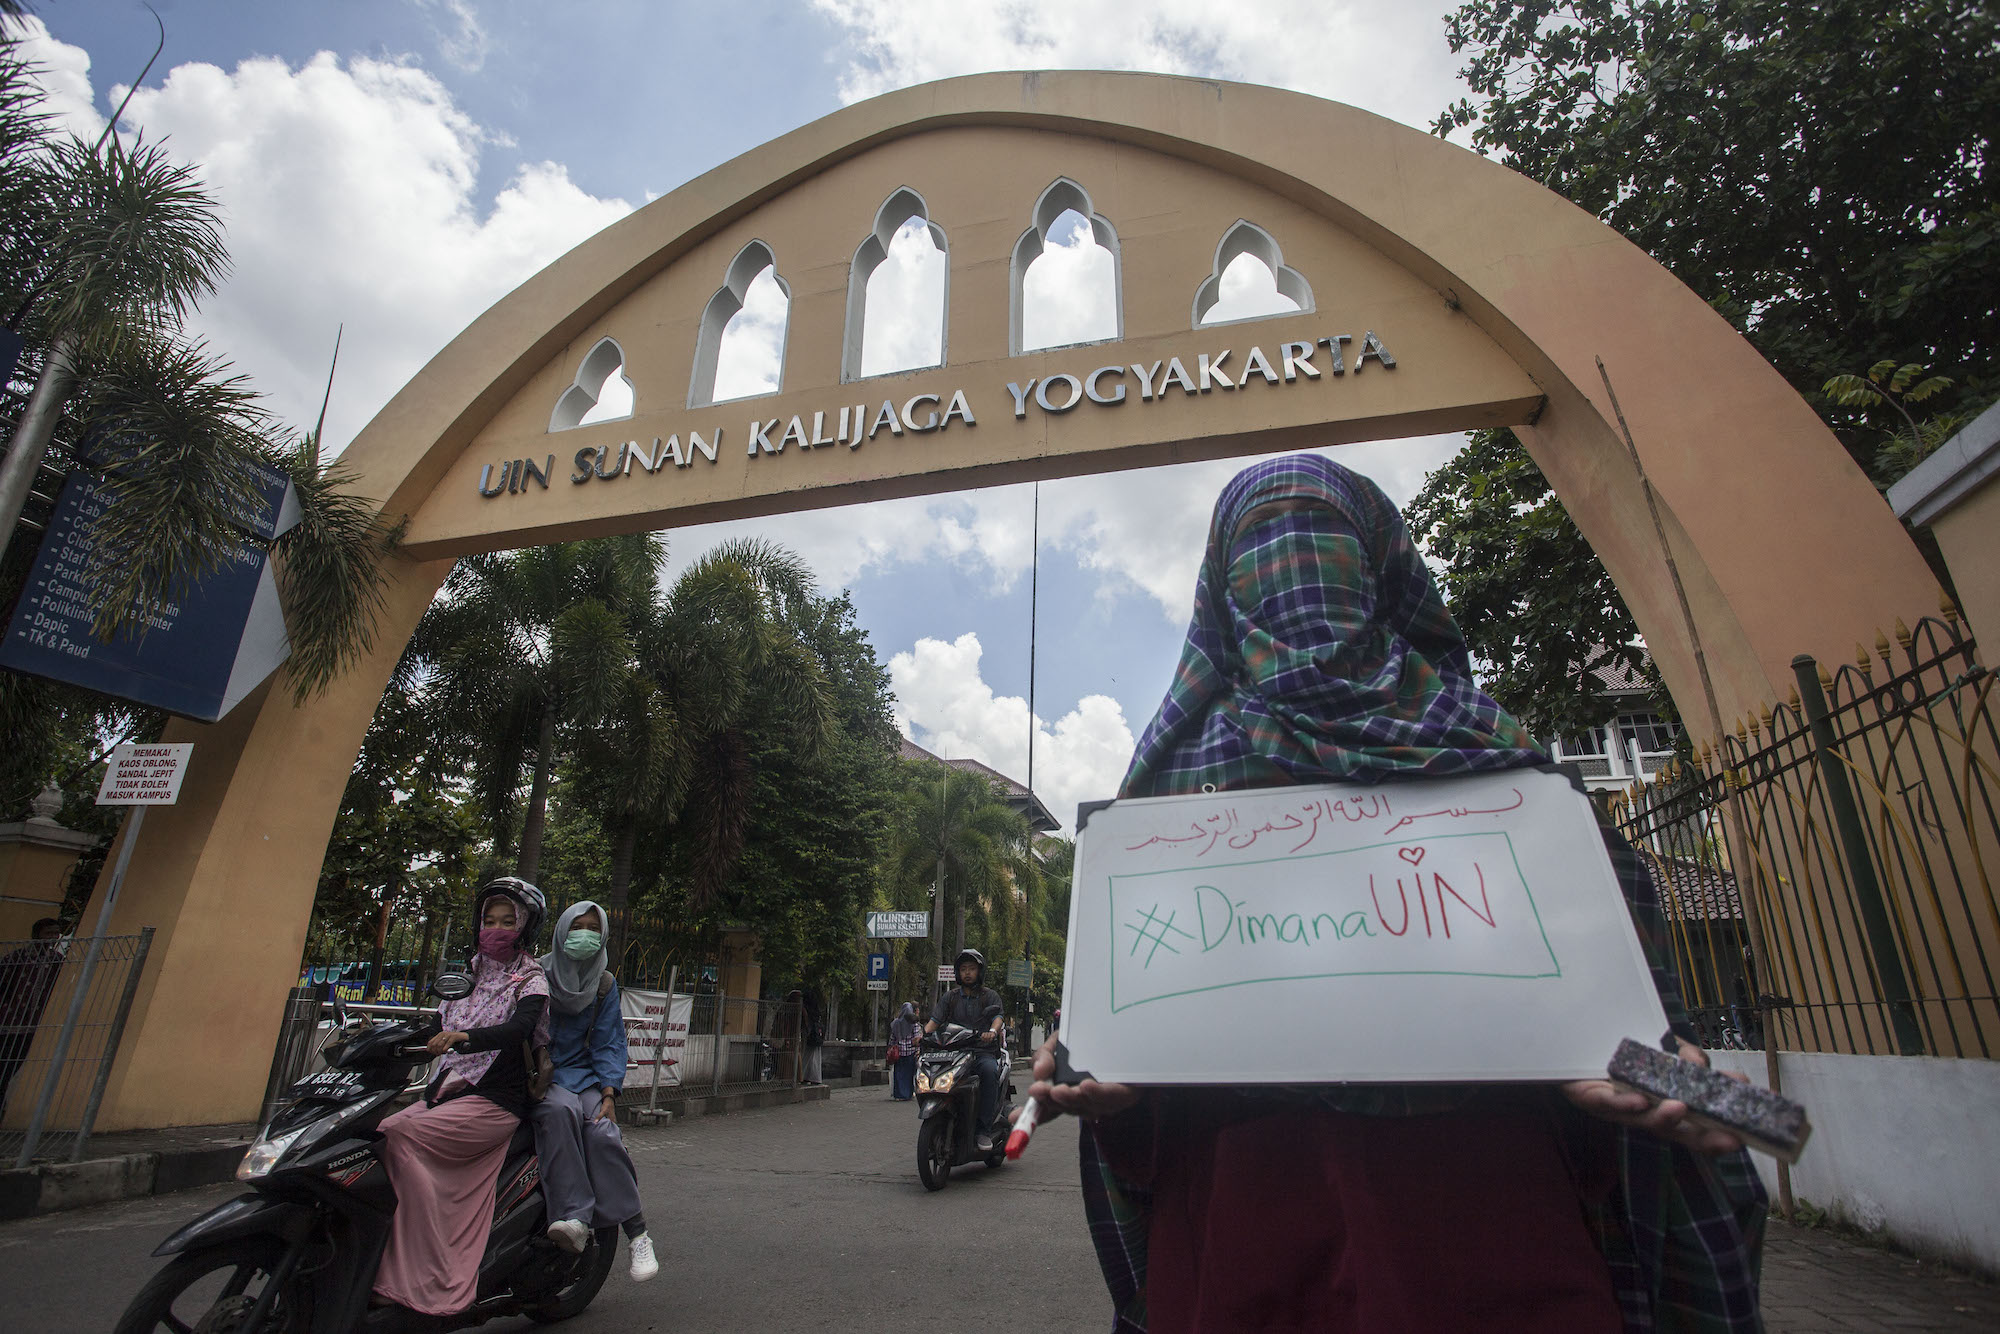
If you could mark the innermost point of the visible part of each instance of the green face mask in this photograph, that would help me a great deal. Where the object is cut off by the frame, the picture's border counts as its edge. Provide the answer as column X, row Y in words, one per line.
column 582, row 944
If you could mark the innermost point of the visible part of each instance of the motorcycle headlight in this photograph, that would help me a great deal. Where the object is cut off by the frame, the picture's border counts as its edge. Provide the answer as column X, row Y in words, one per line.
column 265, row 1153
column 943, row 1083
column 923, row 1082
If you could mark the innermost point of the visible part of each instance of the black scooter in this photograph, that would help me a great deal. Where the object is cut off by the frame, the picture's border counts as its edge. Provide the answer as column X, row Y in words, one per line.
column 948, row 1104
column 297, row 1255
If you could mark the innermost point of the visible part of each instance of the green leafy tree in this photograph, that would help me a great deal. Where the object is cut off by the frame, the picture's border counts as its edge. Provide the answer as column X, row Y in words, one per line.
column 728, row 651
column 518, row 646
column 403, row 842
column 1049, row 915
column 954, row 830
column 106, row 248
column 1909, row 440
column 818, row 816
column 1533, row 600
column 1819, row 172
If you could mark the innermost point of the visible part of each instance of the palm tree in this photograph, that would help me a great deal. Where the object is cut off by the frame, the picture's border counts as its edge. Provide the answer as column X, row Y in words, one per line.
column 120, row 245
column 105, row 249
column 956, row 832
column 522, row 643
column 668, row 757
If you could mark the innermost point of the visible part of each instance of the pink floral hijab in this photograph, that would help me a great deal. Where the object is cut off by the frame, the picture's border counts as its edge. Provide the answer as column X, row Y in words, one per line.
column 496, row 989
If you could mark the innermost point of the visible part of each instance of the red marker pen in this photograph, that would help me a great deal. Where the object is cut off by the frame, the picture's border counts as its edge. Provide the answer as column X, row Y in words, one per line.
column 1024, row 1126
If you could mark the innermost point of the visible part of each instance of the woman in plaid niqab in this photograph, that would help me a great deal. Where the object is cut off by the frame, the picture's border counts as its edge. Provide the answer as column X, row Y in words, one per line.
column 1321, row 651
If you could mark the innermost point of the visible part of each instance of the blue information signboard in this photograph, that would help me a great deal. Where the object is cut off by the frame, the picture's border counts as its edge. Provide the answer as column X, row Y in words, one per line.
column 878, row 967
column 197, row 657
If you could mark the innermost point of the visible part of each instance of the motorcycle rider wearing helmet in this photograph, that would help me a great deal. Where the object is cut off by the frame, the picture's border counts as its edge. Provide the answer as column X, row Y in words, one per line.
column 444, row 1153
column 974, row 1005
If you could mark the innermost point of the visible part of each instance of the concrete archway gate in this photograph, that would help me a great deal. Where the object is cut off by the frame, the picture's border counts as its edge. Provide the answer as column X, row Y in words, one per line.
column 1447, row 293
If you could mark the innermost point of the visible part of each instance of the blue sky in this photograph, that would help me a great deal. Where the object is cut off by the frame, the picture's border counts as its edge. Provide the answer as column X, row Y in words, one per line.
column 397, row 165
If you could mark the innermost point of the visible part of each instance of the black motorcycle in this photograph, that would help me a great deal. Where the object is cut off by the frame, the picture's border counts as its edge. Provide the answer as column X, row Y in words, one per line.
column 297, row 1255
column 948, row 1104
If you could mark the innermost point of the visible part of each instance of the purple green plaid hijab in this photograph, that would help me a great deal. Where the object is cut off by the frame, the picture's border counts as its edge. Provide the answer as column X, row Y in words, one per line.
column 1319, row 651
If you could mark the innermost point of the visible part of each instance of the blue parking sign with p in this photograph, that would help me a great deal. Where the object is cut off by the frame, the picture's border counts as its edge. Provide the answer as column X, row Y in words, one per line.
column 878, row 968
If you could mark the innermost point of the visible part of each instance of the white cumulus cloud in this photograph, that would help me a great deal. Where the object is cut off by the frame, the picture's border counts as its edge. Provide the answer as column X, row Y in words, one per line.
column 1389, row 58
column 903, row 323
column 350, row 193
column 945, row 706
column 64, row 74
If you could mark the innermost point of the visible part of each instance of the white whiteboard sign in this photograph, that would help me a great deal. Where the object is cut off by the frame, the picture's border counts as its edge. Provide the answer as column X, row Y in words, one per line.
column 144, row 775
column 1447, row 929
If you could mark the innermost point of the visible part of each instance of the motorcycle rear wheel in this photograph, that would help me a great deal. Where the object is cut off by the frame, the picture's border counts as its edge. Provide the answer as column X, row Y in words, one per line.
column 934, row 1152
column 591, row 1269
column 246, row 1260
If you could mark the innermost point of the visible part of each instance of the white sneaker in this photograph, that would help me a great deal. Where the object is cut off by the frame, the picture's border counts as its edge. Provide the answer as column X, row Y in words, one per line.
column 571, row 1234
column 985, row 1143
column 644, row 1265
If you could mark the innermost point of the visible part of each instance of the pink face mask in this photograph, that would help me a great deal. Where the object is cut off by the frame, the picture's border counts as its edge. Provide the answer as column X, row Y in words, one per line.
column 498, row 942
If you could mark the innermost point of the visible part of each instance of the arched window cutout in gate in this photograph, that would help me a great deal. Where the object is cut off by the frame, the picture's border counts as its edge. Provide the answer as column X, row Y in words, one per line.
column 896, row 292
column 1066, row 282
column 740, row 351
column 600, row 392
column 1250, row 280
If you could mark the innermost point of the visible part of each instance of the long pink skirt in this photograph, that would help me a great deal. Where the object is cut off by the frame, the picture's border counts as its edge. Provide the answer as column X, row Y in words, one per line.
column 445, row 1164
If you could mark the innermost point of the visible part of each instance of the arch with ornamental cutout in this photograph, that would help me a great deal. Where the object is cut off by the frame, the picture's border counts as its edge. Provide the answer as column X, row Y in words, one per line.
column 1448, row 293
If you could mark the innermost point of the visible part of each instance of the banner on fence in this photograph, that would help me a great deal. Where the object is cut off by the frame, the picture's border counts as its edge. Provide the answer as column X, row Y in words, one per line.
column 1456, row 929
column 656, row 1030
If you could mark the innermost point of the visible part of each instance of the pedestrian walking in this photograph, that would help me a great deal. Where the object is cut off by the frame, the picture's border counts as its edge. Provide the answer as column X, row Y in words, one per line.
column 1320, row 651
column 586, row 1172
column 813, row 1026
column 903, row 1053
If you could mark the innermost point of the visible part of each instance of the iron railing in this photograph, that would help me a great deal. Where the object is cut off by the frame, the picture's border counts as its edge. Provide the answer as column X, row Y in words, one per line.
column 48, row 1109
column 1866, row 814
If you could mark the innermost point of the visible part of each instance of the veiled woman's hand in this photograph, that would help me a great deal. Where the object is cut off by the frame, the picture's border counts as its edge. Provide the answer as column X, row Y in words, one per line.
column 1090, row 1100
column 1606, row 1101
column 441, row 1044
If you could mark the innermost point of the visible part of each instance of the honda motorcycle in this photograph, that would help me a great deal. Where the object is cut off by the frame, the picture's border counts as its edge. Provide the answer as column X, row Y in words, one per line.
column 948, row 1104
column 297, row 1254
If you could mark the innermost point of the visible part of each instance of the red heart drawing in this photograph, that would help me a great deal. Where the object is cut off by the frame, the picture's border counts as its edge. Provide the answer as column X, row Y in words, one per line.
column 1411, row 855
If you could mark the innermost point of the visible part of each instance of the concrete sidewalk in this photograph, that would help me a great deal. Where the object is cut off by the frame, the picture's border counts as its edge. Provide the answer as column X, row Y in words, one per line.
column 1817, row 1281
column 126, row 1166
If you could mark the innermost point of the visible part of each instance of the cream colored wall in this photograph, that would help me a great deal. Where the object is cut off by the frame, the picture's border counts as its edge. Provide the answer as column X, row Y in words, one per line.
column 32, row 881
column 1969, row 536
column 1490, row 290
column 980, row 185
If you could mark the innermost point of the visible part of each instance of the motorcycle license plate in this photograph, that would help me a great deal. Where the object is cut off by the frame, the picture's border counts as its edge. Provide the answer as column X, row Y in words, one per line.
column 327, row 1084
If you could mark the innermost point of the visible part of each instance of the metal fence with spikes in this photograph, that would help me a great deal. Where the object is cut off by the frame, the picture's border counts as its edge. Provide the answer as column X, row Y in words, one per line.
column 1827, row 873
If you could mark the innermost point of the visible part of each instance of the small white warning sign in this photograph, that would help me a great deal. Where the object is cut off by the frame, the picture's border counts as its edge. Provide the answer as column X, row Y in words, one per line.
column 141, row 775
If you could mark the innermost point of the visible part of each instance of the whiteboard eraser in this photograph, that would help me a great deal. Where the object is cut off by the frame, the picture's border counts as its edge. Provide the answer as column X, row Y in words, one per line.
column 1764, row 1120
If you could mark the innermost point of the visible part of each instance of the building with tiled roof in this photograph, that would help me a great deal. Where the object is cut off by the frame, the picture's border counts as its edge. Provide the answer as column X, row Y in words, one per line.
column 1634, row 746
column 1017, row 794
column 1693, row 893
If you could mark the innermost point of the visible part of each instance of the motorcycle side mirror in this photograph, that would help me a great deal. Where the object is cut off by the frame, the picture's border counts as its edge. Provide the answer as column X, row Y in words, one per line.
column 450, row 986
column 339, row 1008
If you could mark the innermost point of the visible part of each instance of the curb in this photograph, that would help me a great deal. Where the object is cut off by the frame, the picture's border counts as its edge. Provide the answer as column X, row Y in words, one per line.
column 47, row 1188
column 707, row 1105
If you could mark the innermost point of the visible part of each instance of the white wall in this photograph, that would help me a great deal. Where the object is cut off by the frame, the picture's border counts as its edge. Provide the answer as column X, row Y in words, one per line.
column 1908, row 1145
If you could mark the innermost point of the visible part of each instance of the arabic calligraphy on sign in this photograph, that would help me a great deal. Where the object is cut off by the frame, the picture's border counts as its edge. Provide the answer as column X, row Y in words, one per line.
column 1297, row 828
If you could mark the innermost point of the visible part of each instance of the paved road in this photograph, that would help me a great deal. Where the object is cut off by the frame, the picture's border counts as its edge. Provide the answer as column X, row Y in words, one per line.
column 792, row 1218
column 805, row 1217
